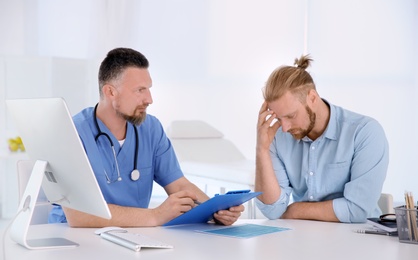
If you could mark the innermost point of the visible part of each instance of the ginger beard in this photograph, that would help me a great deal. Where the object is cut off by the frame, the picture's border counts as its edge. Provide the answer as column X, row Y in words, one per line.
column 299, row 133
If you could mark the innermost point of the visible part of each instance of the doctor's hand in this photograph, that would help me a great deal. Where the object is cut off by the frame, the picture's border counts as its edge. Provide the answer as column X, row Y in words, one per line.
column 228, row 217
column 176, row 204
column 265, row 129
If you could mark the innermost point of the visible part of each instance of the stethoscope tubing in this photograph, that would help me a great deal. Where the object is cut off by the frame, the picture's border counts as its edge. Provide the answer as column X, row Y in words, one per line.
column 135, row 176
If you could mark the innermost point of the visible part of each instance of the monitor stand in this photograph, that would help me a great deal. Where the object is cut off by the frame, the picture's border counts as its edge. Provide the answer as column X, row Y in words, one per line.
column 21, row 223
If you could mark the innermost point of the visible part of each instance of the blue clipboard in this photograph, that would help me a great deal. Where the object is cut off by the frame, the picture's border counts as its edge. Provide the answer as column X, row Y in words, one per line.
column 204, row 212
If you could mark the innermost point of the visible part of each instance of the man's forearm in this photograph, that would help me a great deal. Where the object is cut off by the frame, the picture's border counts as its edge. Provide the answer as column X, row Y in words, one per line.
column 322, row 210
column 265, row 178
column 121, row 217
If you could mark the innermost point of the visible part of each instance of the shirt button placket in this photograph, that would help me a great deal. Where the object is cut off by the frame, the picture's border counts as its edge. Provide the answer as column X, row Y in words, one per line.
column 311, row 173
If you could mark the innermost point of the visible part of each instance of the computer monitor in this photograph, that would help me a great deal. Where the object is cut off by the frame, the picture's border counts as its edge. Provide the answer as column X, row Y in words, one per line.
column 61, row 166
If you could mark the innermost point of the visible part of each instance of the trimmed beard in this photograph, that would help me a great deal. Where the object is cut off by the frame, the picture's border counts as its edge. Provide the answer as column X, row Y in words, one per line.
column 300, row 133
column 134, row 119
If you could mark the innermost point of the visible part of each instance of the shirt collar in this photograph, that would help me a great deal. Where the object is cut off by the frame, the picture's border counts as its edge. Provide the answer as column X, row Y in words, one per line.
column 331, row 129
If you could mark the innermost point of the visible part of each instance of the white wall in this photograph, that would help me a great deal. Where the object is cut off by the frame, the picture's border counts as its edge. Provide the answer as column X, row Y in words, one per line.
column 210, row 59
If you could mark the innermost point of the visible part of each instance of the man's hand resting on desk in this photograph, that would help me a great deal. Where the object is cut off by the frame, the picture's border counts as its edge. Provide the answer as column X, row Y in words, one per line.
column 228, row 217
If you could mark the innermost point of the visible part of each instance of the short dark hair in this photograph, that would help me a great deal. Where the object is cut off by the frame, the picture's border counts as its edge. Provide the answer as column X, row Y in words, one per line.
column 116, row 61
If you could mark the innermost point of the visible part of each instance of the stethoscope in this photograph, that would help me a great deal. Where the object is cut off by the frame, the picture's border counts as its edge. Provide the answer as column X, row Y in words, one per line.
column 135, row 174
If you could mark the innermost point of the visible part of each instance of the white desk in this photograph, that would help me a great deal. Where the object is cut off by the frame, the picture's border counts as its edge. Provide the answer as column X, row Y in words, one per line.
column 306, row 240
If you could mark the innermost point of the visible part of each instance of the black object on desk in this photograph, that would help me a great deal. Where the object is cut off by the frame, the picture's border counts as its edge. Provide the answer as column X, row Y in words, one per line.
column 383, row 223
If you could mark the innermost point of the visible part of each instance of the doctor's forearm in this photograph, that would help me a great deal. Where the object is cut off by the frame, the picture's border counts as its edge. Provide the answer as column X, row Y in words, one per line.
column 121, row 217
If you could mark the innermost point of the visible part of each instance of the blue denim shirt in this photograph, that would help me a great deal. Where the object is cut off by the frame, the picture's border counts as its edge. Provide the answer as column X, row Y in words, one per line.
column 346, row 164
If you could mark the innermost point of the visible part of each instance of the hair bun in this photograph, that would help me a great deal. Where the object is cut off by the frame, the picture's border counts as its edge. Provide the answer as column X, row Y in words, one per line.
column 303, row 62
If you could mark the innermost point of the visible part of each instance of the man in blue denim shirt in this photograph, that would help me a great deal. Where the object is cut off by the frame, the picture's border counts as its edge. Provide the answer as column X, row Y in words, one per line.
column 333, row 162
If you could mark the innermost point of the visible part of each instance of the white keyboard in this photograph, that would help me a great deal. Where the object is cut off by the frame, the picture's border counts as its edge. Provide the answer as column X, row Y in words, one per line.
column 133, row 241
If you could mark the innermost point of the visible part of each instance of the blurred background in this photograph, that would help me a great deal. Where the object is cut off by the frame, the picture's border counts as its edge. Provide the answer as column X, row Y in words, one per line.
column 209, row 60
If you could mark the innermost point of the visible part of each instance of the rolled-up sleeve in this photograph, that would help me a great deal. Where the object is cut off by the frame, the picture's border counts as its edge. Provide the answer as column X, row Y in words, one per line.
column 368, row 172
column 275, row 210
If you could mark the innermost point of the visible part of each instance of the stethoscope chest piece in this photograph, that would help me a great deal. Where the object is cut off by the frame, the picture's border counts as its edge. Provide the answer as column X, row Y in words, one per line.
column 135, row 175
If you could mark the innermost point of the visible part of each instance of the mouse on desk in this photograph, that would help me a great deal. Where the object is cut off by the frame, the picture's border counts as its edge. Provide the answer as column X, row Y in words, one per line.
column 109, row 229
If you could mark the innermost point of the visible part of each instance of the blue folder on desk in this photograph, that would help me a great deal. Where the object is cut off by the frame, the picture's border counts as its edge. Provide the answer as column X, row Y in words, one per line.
column 204, row 212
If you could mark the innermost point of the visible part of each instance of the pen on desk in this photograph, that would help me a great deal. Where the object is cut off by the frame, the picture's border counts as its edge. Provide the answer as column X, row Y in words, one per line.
column 376, row 232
